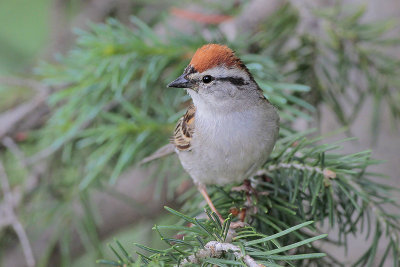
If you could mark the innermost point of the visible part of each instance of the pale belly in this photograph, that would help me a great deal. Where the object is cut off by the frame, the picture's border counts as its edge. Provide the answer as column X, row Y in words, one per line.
column 229, row 150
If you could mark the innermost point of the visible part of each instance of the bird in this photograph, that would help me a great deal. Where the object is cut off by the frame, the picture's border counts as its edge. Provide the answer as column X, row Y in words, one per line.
column 229, row 129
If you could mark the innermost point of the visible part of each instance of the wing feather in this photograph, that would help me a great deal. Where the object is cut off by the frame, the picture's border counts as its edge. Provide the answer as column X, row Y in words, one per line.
column 184, row 130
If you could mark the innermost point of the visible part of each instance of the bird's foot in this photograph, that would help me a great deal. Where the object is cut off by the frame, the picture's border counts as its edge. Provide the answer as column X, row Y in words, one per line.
column 238, row 224
column 249, row 204
column 233, row 225
column 245, row 187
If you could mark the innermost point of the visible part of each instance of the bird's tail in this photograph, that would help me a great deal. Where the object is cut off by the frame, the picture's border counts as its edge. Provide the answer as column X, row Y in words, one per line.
column 161, row 152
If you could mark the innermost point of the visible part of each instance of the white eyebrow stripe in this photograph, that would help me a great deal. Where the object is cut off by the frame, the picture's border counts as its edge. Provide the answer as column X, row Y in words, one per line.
column 224, row 72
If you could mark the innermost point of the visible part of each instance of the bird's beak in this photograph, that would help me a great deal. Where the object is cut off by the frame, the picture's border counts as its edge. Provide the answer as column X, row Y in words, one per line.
column 181, row 82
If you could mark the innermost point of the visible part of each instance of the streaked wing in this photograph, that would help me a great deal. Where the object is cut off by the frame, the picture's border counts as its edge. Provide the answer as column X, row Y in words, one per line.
column 184, row 130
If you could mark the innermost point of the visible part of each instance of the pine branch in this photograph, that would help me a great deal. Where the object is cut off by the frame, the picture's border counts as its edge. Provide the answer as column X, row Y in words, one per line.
column 204, row 243
column 342, row 58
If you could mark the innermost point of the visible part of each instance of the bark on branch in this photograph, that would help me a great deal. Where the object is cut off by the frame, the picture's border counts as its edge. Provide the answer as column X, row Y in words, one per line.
column 214, row 249
column 10, row 119
column 11, row 219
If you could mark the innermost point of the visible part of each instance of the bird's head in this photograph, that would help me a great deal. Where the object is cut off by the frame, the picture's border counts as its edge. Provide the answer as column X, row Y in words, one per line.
column 216, row 77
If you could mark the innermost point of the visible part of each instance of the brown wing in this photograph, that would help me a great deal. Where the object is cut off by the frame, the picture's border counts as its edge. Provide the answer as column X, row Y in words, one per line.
column 184, row 130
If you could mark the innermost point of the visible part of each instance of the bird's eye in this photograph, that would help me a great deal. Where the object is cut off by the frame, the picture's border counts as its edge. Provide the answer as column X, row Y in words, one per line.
column 207, row 79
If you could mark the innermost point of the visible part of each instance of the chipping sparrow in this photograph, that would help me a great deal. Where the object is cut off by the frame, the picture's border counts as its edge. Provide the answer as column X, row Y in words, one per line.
column 230, row 129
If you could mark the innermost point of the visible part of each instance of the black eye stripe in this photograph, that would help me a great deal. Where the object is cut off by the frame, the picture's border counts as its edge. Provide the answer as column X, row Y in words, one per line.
column 233, row 80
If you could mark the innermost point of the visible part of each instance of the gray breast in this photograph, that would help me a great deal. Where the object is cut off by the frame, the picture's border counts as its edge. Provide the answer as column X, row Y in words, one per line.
column 231, row 147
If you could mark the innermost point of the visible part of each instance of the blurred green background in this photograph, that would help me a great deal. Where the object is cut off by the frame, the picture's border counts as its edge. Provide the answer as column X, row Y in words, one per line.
column 24, row 33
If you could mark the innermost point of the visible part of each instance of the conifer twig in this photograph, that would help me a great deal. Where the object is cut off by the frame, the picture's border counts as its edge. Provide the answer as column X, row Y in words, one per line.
column 215, row 249
column 325, row 172
column 50, row 150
